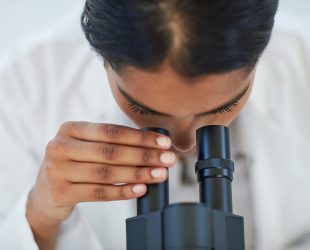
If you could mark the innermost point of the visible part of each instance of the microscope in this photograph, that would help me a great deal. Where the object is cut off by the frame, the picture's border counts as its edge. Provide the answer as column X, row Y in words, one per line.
column 206, row 225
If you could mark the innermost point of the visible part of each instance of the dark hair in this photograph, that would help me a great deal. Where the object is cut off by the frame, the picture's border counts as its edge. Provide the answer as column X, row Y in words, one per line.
column 196, row 36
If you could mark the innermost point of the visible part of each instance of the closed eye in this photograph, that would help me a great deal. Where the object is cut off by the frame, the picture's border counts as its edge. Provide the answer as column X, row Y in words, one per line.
column 144, row 112
column 139, row 110
column 224, row 109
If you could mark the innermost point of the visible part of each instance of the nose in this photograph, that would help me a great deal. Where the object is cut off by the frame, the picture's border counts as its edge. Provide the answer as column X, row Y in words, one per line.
column 182, row 142
column 183, row 137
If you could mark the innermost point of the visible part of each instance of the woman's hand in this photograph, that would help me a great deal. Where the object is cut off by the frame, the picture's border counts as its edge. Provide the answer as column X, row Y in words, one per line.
column 85, row 161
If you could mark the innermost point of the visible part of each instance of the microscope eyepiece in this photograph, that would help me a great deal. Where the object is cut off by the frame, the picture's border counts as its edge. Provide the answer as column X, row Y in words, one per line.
column 157, row 195
column 213, row 142
column 214, row 169
column 157, row 130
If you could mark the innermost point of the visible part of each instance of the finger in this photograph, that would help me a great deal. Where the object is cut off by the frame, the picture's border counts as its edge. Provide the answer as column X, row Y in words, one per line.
column 110, row 174
column 114, row 154
column 99, row 192
column 111, row 133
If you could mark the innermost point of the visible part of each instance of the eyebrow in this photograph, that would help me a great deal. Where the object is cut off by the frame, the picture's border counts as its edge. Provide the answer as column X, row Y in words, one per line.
column 223, row 106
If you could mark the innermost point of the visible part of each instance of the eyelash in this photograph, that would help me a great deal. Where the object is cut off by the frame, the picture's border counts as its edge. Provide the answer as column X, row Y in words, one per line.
column 226, row 109
column 138, row 110
column 148, row 113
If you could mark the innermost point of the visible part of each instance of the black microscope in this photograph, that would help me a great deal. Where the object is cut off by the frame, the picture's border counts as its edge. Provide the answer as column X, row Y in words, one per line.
column 207, row 225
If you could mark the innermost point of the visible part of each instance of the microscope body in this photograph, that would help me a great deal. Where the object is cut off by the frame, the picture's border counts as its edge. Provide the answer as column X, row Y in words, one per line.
column 207, row 225
column 185, row 226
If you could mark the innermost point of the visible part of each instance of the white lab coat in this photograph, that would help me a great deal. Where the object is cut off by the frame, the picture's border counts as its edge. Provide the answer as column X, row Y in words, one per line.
column 55, row 77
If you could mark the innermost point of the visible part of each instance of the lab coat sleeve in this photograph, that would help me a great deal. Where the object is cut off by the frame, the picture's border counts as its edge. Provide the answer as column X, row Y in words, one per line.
column 23, row 109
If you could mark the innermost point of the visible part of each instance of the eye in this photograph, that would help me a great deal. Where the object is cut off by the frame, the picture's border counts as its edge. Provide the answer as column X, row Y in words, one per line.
column 226, row 109
column 138, row 110
column 144, row 112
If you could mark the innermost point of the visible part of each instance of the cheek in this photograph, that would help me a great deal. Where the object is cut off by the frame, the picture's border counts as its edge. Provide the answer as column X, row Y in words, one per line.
column 140, row 120
column 227, row 119
column 147, row 121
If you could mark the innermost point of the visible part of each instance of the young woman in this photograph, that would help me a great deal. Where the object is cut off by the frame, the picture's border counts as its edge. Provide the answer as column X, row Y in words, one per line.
column 175, row 64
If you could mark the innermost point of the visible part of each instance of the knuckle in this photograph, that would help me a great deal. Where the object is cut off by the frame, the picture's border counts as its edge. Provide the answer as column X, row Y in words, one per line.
column 100, row 193
column 66, row 126
column 146, row 156
column 104, row 172
column 122, row 193
column 50, row 169
column 144, row 138
column 59, row 192
column 138, row 174
column 70, row 127
column 61, row 189
column 112, row 131
column 109, row 152
column 53, row 146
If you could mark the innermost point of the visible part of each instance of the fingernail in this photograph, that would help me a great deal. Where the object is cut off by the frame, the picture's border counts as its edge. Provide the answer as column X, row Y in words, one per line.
column 139, row 188
column 167, row 158
column 158, row 173
column 163, row 142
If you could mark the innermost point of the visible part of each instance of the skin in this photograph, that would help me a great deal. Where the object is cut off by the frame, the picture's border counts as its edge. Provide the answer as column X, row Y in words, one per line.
column 84, row 160
column 167, row 92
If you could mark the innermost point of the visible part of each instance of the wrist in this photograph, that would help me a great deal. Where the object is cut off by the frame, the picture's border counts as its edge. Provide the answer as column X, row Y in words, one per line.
column 44, row 230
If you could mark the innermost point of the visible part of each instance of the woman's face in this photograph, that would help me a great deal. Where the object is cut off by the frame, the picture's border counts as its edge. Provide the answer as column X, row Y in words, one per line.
column 165, row 99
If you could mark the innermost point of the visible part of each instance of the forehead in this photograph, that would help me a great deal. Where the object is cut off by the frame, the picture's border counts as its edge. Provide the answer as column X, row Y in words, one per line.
column 168, row 92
